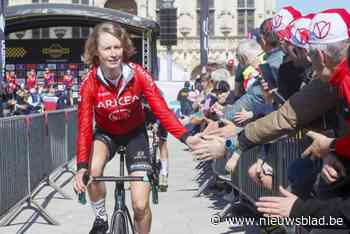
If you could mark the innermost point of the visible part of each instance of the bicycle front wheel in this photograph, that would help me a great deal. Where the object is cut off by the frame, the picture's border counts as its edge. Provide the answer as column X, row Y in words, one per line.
column 120, row 223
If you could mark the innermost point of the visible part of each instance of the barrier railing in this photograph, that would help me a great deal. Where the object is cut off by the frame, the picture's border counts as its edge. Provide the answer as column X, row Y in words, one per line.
column 280, row 155
column 14, row 183
column 32, row 148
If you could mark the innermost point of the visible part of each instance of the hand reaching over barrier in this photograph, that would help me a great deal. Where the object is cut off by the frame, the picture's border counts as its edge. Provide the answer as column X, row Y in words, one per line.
column 227, row 130
column 277, row 206
column 333, row 170
column 212, row 147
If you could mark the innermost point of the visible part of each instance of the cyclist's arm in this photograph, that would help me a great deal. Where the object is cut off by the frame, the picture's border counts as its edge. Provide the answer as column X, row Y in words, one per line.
column 85, row 118
column 159, row 107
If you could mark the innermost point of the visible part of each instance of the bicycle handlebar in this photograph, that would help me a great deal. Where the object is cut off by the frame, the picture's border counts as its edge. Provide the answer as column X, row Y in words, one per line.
column 88, row 179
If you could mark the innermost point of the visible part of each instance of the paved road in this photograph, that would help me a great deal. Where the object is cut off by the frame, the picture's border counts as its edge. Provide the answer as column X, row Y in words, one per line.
column 177, row 212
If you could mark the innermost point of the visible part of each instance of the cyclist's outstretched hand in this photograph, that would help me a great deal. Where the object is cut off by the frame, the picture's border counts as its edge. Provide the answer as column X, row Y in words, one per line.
column 79, row 185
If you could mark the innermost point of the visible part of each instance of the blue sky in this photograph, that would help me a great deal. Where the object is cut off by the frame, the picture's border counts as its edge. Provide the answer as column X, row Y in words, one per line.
column 306, row 6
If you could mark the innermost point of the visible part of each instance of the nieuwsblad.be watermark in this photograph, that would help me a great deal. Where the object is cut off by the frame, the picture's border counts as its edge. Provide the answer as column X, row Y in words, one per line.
column 216, row 220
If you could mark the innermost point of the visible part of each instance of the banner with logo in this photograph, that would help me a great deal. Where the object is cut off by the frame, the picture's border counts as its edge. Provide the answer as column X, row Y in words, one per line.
column 2, row 39
column 45, row 51
column 204, row 31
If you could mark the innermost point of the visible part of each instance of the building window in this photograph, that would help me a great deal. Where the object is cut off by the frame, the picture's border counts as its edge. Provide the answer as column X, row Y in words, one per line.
column 250, row 3
column 245, row 16
column 241, row 22
column 75, row 32
column 83, row 2
column 45, row 33
column 85, row 31
column 80, row 32
column 211, row 4
column 241, row 4
column 250, row 20
column 211, row 17
column 41, row 33
column 246, row 4
column 40, row 1
column 36, row 33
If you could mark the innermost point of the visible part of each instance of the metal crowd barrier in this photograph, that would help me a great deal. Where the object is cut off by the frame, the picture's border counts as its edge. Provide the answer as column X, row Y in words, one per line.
column 14, row 184
column 280, row 155
column 247, row 186
column 32, row 149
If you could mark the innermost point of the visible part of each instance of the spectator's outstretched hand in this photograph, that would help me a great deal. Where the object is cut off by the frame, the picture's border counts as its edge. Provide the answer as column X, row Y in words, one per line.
column 212, row 126
column 243, row 116
column 320, row 145
column 218, row 109
column 227, row 131
column 332, row 169
column 212, row 148
column 194, row 141
column 231, row 164
column 277, row 206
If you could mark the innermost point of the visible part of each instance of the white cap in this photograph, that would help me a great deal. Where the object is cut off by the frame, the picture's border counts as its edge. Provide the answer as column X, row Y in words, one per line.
column 300, row 31
column 283, row 18
column 330, row 26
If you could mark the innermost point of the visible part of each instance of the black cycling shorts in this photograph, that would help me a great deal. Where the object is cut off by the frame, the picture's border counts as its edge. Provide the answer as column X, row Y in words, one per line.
column 137, row 147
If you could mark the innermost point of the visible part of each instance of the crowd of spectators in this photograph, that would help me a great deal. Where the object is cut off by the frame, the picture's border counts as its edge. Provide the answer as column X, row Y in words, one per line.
column 35, row 96
column 291, row 75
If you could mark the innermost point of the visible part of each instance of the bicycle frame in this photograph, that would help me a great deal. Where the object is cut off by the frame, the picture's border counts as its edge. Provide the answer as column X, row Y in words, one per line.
column 120, row 207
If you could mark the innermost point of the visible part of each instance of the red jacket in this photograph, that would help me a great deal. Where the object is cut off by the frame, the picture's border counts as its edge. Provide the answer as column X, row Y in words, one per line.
column 31, row 81
column 119, row 110
column 341, row 79
column 68, row 81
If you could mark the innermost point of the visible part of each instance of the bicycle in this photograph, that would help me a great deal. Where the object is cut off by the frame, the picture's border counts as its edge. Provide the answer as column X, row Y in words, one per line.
column 155, row 136
column 121, row 218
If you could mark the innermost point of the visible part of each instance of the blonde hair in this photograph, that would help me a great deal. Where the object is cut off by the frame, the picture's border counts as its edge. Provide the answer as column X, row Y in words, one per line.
column 90, row 52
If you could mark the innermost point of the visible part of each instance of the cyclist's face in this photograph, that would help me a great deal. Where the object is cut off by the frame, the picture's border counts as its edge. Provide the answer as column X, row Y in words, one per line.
column 109, row 51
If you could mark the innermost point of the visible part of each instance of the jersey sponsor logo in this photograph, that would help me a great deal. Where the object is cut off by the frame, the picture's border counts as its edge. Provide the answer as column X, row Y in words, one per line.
column 122, row 101
column 120, row 114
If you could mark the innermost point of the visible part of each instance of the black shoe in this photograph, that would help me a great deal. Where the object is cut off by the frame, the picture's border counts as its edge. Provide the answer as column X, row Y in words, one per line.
column 100, row 227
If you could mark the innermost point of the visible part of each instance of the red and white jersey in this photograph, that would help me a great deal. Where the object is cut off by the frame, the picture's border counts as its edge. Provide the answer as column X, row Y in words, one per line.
column 31, row 81
column 68, row 81
column 118, row 109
